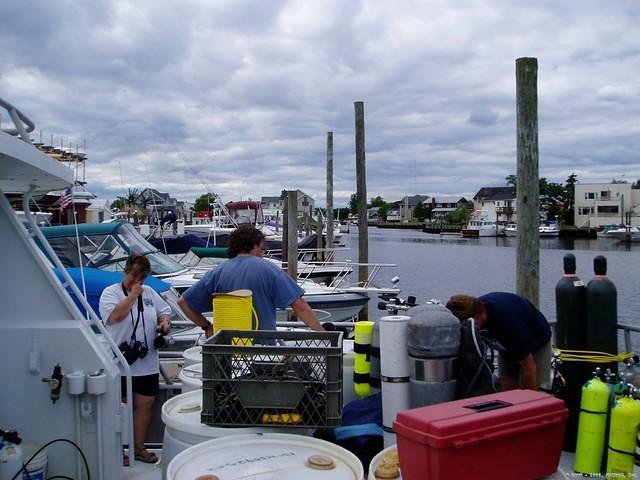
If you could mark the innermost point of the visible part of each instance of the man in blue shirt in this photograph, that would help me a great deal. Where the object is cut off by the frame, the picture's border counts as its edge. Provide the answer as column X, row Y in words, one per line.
column 519, row 327
column 270, row 286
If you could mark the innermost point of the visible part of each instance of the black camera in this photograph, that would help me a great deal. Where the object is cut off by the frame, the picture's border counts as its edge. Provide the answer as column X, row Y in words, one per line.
column 162, row 340
column 133, row 351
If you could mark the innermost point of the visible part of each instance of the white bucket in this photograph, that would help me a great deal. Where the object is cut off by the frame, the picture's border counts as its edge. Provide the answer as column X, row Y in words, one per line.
column 348, row 363
column 37, row 467
column 192, row 355
column 266, row 456
column 379, row 459
column 181, row 417
column 191, row 377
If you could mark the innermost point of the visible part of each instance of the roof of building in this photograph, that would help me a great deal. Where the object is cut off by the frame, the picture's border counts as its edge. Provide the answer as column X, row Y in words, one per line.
column 496, row 193
column 450, row 199
column 414, row 200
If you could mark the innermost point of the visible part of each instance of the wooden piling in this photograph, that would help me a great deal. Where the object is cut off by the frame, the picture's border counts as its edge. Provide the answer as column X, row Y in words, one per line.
column 361, row 192
column 329, row 189
column 292, row 234
column 527, row 195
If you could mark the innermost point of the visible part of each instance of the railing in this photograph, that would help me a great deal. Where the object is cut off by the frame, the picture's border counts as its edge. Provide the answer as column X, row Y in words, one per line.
column 626, row 331
column 19, row 120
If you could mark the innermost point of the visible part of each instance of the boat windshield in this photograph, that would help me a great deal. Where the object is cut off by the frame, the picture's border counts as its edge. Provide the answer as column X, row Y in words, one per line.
column 110, row 251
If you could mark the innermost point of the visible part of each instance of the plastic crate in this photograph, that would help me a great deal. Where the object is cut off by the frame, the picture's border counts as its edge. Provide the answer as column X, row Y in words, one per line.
column 272, row 378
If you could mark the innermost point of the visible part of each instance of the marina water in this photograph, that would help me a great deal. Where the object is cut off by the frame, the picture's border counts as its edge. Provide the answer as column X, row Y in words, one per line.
column 432, row 266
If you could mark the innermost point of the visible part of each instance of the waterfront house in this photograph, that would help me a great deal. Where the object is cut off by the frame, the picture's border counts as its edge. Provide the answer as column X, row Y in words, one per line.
column 497, row 203
column 598, row 204
column 272, row 207
column 407, row 206
column 441, row 206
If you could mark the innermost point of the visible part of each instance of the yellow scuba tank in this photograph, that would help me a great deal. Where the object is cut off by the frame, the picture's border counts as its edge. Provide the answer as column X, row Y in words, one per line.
column 363, row 332
column 592, row 424
column 625, row 418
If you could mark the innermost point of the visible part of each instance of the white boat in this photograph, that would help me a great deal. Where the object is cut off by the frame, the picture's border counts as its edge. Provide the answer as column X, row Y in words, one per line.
column 511, row 230
column 481, row 226
column 626, row 233
column 549, row 230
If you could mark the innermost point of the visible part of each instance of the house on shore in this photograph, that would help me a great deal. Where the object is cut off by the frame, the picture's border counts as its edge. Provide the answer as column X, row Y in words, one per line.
column 497, row 203
column 598, row 204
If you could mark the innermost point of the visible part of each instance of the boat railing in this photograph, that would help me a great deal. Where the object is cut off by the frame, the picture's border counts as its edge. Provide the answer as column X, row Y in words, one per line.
column 23, row 125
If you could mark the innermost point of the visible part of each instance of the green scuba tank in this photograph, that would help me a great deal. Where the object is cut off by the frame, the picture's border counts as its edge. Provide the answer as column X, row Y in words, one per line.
column 592, row 425
column 625, row 419
column 570, row 335
column 602, row 312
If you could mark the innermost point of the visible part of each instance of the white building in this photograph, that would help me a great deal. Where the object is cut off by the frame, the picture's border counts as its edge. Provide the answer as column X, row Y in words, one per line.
column 598, row 204
column 496, row 203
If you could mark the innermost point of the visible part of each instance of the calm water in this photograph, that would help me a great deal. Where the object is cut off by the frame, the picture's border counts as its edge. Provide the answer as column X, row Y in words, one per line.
column 431, row 266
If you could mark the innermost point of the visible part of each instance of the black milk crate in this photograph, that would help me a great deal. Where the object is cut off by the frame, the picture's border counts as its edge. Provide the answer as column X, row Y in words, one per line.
column 272, row 378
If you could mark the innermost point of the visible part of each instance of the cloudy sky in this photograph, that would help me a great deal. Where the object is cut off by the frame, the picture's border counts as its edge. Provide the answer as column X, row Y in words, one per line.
column 237, row 96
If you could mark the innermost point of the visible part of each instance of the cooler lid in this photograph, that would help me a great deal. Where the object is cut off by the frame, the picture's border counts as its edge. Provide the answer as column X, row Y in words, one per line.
column 478, row 418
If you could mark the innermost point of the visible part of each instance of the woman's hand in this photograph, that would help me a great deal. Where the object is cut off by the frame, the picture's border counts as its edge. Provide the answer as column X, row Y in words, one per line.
column 164, row 324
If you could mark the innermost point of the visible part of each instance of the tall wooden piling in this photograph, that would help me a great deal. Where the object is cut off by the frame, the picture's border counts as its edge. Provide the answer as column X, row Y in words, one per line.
column 361, row 192
column 527, row 195
column 329, row 189
column 292, row 233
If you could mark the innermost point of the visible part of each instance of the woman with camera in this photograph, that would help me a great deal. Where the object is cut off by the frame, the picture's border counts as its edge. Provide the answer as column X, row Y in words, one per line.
column 137, row 319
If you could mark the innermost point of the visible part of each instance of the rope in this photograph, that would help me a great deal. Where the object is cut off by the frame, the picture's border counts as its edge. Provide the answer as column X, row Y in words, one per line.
column 590, row 356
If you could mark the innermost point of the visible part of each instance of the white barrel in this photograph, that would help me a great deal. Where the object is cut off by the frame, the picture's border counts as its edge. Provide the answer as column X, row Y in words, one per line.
column 267, row 456
column 181, row 418
column 191, row 377
column 394, row 369
column 388, row 456
column 348, row 364
column 37, row 468
column 192, row 355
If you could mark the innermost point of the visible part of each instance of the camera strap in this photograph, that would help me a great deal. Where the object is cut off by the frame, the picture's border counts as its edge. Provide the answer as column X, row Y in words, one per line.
column 140, row 314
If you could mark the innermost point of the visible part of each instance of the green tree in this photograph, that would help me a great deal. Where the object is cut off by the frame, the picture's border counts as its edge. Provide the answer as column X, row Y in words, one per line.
column 132, row 196
column 420, row 212
column 569, row 201
column 618, row 180
column 460, row 216
column 377, row 202
column 203, row 202
column 636, row 185
column 511, row 180
column 118, row 203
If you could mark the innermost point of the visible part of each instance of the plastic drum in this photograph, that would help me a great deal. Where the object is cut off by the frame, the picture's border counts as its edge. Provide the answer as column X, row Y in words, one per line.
column 192, row 355
column 380, row 459
column 281, row 456
column 191, row 377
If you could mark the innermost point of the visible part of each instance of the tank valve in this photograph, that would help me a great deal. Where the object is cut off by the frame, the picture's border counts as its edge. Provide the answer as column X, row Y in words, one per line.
column 55, row 383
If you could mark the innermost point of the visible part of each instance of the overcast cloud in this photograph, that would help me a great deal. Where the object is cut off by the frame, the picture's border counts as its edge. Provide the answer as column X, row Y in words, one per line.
column 237, row 96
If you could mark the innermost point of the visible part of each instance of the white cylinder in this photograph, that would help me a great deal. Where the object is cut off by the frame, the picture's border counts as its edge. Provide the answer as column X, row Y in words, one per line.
column 281, row 456
column 394, row 356
column 96, row 383
column 348, row 364
column 191, row 377
column 192, row 355
column 395, row 398
column 75, row 383
column 181, row 417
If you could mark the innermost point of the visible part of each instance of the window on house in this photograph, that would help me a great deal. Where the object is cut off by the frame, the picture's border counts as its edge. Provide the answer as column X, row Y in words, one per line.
column 611, row 209
column 590, row 195
column 605, row 195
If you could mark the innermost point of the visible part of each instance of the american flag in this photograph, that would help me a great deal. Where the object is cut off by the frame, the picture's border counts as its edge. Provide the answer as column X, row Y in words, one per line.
column 67, row 199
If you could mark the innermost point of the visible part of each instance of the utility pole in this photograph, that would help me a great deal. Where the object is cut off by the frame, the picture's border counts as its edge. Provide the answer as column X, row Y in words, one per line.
column 361, row 192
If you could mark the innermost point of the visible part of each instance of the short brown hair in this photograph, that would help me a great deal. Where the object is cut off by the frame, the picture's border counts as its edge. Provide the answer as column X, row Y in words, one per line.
column 243, row 239
column 465, row 306
column 138, row 264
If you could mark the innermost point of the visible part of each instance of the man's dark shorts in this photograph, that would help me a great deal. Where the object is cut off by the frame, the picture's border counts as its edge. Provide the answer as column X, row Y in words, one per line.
column 145, row 385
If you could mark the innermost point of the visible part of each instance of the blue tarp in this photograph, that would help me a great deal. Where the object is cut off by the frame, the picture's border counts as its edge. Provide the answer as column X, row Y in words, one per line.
column 97, row 280
column 179, row 244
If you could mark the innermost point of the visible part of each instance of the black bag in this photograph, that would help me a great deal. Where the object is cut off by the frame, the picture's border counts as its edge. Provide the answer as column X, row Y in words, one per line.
column 475, row 363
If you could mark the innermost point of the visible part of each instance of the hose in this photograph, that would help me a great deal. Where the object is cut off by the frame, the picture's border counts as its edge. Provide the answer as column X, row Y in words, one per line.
column 590, row 356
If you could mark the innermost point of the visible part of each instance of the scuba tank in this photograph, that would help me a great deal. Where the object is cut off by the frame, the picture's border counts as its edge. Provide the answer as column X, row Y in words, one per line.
column 570, row 335
column 602, row 312
column 592, row 426
column 363, row 332
column 10, row 454
column 625, row 419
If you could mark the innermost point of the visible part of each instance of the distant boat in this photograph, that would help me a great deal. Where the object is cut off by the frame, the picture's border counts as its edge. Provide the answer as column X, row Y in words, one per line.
column 544, row 230
column 626, row 233
column 481, row 226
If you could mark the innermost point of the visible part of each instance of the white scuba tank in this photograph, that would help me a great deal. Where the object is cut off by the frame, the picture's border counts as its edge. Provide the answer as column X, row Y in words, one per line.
column 10, row 460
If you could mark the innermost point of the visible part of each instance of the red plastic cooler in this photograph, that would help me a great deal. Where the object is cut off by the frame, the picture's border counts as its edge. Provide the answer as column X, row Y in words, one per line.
column 509, row 435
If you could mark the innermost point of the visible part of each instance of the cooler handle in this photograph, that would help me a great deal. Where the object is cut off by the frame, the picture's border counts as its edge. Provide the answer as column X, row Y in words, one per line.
column 487, row 406
column 506, row 432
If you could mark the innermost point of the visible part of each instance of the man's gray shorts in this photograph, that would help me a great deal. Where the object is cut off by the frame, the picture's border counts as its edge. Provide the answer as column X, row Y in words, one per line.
column 511, row 369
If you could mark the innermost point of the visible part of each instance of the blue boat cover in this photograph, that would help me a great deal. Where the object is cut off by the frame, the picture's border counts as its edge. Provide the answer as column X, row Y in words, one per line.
column 97, row 280
column 179, row 244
